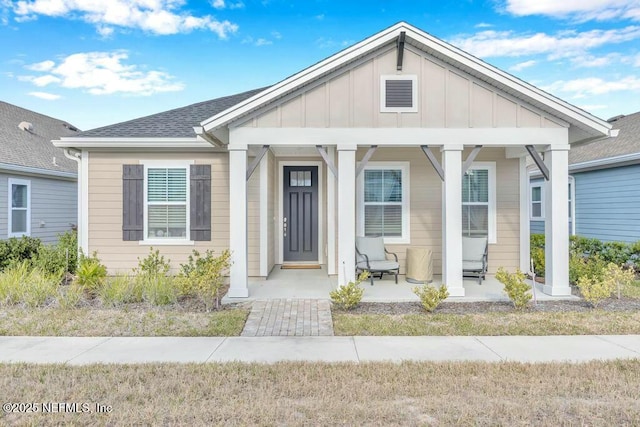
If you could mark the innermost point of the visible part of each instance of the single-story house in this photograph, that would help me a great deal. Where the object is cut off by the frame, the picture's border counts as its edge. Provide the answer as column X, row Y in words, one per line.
column 400, row 135
column 604, row 197
column 38, row 184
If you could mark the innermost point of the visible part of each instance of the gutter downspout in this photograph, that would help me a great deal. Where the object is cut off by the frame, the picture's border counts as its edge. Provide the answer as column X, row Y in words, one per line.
column 76, row 156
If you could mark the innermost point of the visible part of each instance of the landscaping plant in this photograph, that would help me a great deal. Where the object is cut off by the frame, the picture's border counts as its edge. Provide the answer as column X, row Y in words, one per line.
column 594, row 289
column 152, row 277
column 620, row 277
column 349, row 296
column 203, row 276
column 22, row 284
column 515, row 287
column 431, row 297
column 90, row 273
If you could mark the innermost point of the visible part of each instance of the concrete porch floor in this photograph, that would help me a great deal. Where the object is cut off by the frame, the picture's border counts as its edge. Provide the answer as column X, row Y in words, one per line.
column 316, row 284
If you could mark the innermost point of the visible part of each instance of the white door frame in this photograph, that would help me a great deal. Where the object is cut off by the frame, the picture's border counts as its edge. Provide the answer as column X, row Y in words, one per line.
column 321, row 206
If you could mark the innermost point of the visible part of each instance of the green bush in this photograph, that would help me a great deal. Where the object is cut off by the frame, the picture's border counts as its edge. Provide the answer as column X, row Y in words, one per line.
column 153, row 265
column 90, row 274
column 20, row 249
column 581, row 266
column 595, row 289
column 431, row 297
column 203, row 276
column 349, row 296
column 536, row 241
column 159, row 290
column 620, row 277
column 538, row 256
column 515, row 287
column 22, row 284
column 120, row 289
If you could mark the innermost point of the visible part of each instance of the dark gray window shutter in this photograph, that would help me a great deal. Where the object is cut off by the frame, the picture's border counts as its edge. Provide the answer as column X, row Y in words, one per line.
column 200, row 205
column 132, row 202
column 399, row 93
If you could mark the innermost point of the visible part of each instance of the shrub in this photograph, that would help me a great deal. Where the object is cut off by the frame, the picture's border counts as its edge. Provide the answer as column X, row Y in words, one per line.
column 582, row 266
column 538, row 256
column 20, row 283
column 619, row 276
column 120, row 289
column 17, row 249
column 515, row 287
column 153, row 265
column 431, row 297
column 203, row 276
column 595, row 289
column 159, row 290
column 349, row 296
column 70, row 296
column 90, row 273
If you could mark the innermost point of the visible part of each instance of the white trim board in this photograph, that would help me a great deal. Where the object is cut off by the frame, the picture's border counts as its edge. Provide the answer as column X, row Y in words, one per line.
column 321, row 206
column 27, row 183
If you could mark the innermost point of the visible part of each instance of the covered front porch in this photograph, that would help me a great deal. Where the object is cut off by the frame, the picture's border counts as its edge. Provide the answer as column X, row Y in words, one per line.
column 316, row 284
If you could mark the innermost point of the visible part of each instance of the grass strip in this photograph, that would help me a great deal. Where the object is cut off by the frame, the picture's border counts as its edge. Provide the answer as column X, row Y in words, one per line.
column 594, row 322
column 120, row 322
column 470, row 393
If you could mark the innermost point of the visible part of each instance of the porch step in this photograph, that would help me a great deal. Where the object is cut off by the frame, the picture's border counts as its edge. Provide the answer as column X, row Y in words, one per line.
column 289, row 317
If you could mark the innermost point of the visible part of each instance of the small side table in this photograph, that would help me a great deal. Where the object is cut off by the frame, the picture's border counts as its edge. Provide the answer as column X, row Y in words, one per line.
column 419, row 265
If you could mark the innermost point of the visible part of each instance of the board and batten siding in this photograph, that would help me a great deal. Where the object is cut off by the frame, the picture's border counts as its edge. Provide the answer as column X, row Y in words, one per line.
column 447, row 98
column 426, row 205
column 105, row 210
column 54, row 206
column 608, row 204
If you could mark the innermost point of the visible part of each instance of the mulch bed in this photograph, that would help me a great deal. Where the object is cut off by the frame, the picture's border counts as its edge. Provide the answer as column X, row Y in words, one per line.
column 612, row 304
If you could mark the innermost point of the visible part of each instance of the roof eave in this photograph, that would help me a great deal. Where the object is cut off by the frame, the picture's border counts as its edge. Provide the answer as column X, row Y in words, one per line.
column 131, row 143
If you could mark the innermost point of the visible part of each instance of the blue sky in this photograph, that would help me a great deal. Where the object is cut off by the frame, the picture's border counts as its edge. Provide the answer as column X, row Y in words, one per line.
column 98, row 62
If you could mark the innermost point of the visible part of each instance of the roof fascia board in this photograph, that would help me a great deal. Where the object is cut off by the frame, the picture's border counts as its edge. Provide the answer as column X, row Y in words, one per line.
column 131, row 143
column 587, row 120
column 37, row 171
column 605, row 163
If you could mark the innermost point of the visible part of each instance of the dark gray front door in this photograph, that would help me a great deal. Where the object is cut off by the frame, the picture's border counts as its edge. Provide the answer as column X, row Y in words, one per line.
column 300, row 222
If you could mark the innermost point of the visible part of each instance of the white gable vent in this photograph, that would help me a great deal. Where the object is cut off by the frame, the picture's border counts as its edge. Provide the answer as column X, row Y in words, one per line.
column 26, row 126
column 398, row 94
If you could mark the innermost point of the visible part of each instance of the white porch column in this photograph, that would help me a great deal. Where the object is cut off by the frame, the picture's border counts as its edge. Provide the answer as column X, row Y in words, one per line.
column 346, row 213
column 238, row 222
column 556, row 222
column 331, row 216
column 452, row 220
column 525, row 231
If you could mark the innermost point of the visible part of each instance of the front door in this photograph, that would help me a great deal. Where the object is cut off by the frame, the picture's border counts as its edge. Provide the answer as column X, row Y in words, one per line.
column 300, row 221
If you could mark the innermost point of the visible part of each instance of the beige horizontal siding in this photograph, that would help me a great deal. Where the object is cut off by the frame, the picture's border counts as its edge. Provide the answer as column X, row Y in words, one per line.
column 105, row 209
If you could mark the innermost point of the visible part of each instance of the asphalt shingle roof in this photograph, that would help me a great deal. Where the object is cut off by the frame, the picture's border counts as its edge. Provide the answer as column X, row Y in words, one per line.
column 33, row 148
column 177, row 123
column 627, row 142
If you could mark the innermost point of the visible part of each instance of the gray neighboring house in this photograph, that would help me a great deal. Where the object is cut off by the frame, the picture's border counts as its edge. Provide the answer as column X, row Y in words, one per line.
column 38, row 184
column 604, row 195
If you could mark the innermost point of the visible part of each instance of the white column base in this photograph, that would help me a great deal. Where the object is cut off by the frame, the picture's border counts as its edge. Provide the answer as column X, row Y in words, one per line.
column 455, row 292
column 238, row 292
column 557, row 291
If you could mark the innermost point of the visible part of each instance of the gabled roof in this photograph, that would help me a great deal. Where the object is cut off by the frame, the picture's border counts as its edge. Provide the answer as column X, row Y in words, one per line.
column 176, row 123
column 583, row 125
column 626, row 143
column 32, row 148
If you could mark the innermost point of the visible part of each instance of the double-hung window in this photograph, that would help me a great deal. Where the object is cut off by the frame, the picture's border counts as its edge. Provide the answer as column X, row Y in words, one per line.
column 19, row 215
column 537, row 201
column 479, row 201
column 166, row 202
column 384, row 201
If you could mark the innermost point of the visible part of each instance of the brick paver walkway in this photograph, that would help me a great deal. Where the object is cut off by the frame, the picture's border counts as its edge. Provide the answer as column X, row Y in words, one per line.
column 299, row 317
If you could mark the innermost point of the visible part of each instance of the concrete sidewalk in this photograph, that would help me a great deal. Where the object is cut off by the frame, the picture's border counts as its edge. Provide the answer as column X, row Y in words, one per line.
column 86, row 350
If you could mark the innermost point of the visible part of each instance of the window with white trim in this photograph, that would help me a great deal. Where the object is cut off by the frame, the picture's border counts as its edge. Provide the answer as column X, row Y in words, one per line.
column 536, row 199
column 384, row 201
column 166, row 207
column 398, row 93
column 19, row 215
column 479, row 201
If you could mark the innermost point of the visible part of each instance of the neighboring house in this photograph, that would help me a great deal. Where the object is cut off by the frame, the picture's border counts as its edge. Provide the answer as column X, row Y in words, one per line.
column 604, row 196
column 374, row 140
column 38, row 184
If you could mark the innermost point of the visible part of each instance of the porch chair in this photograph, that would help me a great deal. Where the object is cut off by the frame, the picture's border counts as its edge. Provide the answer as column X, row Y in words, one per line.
column 474, row 257
column 371, row 256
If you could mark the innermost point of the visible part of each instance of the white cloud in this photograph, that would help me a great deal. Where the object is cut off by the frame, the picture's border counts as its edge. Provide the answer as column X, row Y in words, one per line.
column 522, row 65
column 483, row 25
column 276, row 35
column 105, row 73
column 593, row 107
column 263, row 42
column 222, row 4
column 155, row 16
column 580, row 88
column 590, row 61
column 329, row 43
column 218, row 4
column 257, row 42
column 563, row 44
column 41, row 66
column 580, row 10
column 45, row 95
